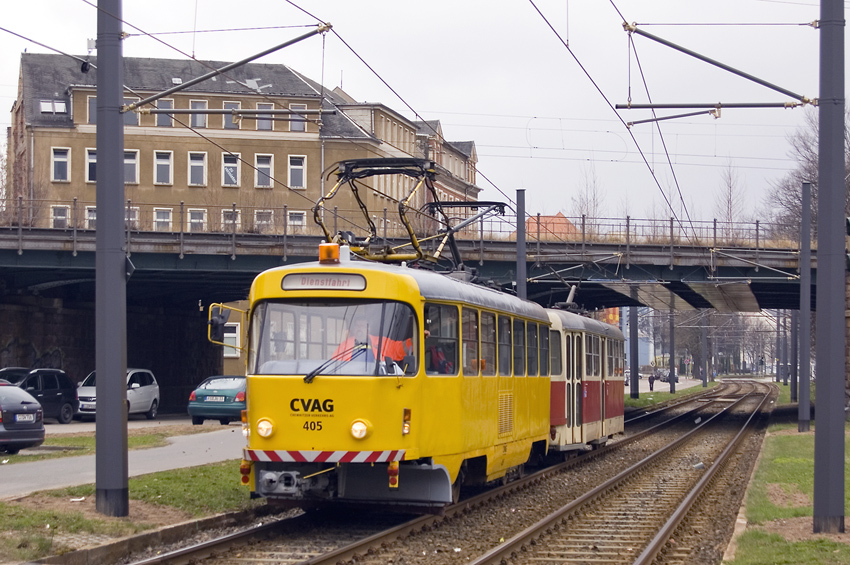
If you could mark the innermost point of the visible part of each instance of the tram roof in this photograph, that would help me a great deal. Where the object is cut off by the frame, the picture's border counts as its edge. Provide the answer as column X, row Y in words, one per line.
column 435, row 286
column 572, row 321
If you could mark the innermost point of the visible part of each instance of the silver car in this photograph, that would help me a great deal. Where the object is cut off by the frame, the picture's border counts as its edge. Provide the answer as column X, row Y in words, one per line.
column 142, row 394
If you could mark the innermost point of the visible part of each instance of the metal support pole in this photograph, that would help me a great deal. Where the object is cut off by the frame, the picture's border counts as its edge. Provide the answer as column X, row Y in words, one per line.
column 671, row 243
column 832, row 282
column 804, row 410
column 628, row 242
column 777, row 354
column 481, row 252
column 795, row 320
column 521, row 268
column 182, row 227
column 111, row 468
column 233, row 232
column 704, row 346
column 74, row 226
column 285, row 225
column 634, row 361
column 583, row 232
column 785, row 367
column 672, row 376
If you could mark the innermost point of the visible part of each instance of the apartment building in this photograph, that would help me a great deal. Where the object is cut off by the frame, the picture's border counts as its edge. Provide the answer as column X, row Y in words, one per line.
column 238, row 169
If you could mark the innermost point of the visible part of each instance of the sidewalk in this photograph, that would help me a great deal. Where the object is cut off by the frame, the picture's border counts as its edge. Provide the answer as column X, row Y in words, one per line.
column 658, row 386
column 184, row 451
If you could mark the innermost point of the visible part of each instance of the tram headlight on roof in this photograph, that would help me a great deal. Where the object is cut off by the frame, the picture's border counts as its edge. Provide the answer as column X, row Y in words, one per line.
column 359, row 429
column 265, row 428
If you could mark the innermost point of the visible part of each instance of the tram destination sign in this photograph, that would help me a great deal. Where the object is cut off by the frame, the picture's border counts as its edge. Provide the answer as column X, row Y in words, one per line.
column 323, row 281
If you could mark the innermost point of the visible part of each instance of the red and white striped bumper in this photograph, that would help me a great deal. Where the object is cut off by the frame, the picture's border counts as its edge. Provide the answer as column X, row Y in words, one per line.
column 323, row 456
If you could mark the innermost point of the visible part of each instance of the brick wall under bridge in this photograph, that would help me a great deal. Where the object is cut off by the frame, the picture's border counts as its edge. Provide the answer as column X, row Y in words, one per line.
column 41, row 332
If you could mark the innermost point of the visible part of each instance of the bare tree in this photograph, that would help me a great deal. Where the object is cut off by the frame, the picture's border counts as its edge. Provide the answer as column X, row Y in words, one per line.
column 729, row 202
column 590, row 200
column 783, row 200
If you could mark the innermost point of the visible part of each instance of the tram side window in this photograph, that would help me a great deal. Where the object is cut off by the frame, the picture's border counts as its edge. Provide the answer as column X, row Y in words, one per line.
column 488, row 344
column 519, row 348
column 544, row 351
column 469, row 333
column 504, row 346
column 592, row 360
column 555, row 359
column 531, row 349
column 577, row 358
column 441, row 339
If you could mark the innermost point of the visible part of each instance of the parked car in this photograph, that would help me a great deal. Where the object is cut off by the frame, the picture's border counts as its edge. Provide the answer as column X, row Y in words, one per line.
column 52, row 388
column 142, row 394
column 21, row 420
column 219, row 398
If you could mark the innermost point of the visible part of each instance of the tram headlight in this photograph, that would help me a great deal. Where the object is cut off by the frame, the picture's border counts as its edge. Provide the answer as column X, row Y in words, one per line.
column 265, row 428
column 359, row 429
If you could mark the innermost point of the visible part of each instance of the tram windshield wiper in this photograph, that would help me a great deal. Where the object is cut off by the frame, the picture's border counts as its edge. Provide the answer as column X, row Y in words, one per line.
column 356, row 350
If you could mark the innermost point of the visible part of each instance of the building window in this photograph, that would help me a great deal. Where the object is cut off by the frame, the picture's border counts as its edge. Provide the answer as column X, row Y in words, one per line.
column 263, row 220
column 131, row 167
column 60, row 164
column 199, row 120
column 164, row 120
column 197, row 169
column 296, row 171
column 60, row 216
column 162, row 161
column 53, row 107
column 231, row 339
column 296, row 219
column 197, row 219
column 162, row 219
column 91, row 217
column 296, row 121
column 230, row 169
column 131, row 118
column 131, row 218
column 92, row 105
column 264, row 121
column 91, row 165
column 264, row 165
column 229, row 119
column 229, row 218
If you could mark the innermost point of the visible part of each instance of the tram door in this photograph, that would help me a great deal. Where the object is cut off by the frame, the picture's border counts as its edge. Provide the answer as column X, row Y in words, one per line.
column 576, row 368
column 507, row 409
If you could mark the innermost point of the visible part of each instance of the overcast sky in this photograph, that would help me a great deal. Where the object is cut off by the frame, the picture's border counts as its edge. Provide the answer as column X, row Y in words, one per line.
column 495, row 73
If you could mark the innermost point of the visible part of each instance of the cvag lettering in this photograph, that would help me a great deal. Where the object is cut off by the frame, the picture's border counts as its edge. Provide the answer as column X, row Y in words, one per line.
column 311, row 405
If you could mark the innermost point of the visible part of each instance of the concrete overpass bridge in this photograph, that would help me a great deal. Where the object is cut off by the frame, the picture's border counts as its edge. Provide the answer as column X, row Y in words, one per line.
column 180, row 269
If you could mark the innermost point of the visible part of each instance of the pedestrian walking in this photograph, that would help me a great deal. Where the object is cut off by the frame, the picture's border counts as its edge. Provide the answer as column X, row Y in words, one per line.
column 651, row 380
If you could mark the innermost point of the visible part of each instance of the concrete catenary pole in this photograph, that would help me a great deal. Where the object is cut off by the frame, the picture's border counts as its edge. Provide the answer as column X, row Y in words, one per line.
column 795, row 321
column 634, row 351
column 672, row 375
column 704, row 346
column 111, row 468
column 831, row 321
column 804, row 411
column 521, row 268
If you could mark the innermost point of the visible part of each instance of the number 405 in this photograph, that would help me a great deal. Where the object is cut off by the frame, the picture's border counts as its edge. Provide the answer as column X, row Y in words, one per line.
column 313, row 426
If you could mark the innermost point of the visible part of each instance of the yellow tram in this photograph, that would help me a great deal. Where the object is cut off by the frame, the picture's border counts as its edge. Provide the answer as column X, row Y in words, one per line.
column 387, row 384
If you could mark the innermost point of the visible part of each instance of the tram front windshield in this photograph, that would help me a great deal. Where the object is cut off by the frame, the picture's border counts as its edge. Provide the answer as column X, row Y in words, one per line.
column 333, row 338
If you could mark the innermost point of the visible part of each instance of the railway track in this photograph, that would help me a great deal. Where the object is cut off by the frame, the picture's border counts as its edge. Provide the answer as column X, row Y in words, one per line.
column 654, row 497
column 373, row 538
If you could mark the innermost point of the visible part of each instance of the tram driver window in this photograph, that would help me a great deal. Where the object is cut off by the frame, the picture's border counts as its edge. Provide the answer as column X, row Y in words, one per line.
column 441, row 339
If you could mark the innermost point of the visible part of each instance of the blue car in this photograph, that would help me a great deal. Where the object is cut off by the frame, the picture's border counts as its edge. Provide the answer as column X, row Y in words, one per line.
column 219, row 398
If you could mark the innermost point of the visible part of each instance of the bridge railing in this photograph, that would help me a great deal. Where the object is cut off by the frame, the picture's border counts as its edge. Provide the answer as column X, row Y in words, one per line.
column 541, row 231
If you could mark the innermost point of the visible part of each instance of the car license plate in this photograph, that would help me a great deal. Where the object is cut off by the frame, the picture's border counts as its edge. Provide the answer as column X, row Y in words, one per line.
column 86, row 406
column 25, row 417
column 215, row 399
